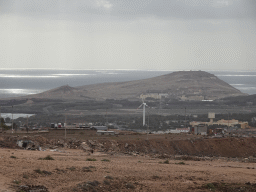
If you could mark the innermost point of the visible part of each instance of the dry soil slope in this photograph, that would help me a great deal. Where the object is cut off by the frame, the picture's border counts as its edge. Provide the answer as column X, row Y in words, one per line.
column 189, row 83
column 64, row 92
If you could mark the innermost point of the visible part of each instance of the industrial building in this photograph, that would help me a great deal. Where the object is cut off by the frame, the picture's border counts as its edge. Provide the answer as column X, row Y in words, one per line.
column 228, row 123
column 200, row 130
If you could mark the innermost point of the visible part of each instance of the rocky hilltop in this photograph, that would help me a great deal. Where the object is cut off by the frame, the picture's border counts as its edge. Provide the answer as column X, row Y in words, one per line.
column 182, row 85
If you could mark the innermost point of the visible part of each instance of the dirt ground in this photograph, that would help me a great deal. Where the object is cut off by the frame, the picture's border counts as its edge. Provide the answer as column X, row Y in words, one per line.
column 21, row 170
column 129, row 162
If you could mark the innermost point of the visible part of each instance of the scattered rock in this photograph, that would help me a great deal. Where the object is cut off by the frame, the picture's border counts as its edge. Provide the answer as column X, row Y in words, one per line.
column 34, row 188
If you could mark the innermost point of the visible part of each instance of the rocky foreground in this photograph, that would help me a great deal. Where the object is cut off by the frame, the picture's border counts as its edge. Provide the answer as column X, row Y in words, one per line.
column 119, row 164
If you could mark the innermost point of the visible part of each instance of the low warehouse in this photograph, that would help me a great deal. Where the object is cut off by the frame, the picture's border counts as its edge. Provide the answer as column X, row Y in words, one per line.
column 200, row 130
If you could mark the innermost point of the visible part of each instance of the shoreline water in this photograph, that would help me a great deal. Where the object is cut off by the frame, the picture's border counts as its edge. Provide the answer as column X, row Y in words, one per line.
column 15, row 115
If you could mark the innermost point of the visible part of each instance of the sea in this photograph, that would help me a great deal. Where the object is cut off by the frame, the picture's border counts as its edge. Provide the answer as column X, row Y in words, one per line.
column 20, row 82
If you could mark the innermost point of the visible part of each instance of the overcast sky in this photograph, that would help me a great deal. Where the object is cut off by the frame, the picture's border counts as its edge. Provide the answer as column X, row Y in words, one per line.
column 128, row 34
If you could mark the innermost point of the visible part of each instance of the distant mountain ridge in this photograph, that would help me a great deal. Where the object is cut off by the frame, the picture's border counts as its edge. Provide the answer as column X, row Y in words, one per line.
column 182, row 85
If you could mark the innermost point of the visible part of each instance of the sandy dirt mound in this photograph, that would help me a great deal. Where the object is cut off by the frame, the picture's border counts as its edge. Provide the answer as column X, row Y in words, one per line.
column 224, row 147
column 7, row 142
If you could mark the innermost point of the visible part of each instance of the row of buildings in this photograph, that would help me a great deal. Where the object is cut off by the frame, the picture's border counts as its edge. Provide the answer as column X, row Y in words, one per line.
column 228, row 123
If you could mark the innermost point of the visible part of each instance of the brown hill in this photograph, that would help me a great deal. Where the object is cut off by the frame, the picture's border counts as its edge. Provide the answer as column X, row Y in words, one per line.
column 184, row 85
column 63, row 92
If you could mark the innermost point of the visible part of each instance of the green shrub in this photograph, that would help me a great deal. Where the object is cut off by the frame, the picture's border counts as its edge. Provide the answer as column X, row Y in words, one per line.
column 47, row 172
column 38, row 171
column 86, row 169
column 60, row 170
column 16, row 182
column 130, row 186
column 48, row 157
column 42, row 172
column 107, row 160
column 106, row 182
column 166, row 162
column 210, row 186
column 181, row 163
column 72, row 168
column 108, row 177
column 13, row 157
column 89, row 159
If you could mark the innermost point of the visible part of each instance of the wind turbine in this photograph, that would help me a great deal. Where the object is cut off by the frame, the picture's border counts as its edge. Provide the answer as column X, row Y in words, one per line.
column 144, row 112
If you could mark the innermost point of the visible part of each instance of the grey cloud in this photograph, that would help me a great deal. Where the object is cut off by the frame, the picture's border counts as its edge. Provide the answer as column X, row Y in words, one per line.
column 125, row 9
column 187, row 9
column 62, row 9
column 183, row 33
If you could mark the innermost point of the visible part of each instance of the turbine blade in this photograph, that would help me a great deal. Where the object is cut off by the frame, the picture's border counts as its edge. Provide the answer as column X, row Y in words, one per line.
column 140, row 106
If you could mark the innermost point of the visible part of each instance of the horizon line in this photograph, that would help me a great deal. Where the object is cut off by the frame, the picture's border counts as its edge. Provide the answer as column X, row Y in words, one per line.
column 174, row 70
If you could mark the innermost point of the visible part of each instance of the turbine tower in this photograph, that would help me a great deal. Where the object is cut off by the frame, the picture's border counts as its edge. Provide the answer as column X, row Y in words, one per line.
column 144, row 112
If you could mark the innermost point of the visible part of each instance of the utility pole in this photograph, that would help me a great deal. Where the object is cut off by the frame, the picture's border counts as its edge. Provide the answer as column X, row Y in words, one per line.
column 148, row 126
column 65, row 124
column 160, row 105
column 12, row 118
column 27, row 123
column 0, row 119
column 185, row 118
column 228, row 121
column 106, row 117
